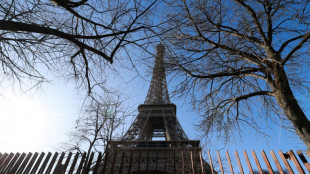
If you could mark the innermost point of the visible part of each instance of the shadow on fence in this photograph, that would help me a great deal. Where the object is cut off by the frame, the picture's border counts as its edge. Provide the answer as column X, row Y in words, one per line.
column 77, row 163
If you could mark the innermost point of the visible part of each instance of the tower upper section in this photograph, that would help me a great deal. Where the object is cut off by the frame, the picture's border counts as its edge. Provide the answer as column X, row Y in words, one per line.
column 158, row 91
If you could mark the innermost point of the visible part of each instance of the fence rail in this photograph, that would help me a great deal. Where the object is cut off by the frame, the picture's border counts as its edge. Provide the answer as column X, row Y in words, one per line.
column 32, row 163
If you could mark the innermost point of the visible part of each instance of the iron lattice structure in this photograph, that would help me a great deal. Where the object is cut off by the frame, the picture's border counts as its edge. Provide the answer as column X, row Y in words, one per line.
column 158, row 91
column 156, row 142
column 157, row 116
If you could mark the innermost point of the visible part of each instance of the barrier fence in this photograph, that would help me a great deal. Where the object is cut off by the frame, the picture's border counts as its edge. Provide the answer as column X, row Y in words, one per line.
column 32, row 163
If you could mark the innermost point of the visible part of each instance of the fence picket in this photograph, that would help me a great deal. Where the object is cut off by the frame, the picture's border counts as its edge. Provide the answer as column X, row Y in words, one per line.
column 257, row 162
column 210, row 160
column 138, row 169
column 304, row 160
column 36, row 166
column 287, row 165
column 201, row 162
column 24, row 163
column 83, row 159
column 66, row 163
column 239, row 163
column 21, row 168
column 19, row 161
column 276, row 161
column 11, row 164
column 88, row 164
column 98, row 162
column 130, row 162
column 220, row 161
column 73, row 163
column 296, row 162
column 105, row 161
column 267, row 162
column 248, row 162
column 2, row 159
column 6, row 162
column 113, row 162
column 45, row 163
column 30, row 164
column 122, row 163
column 49, row 169
column 192, row 161
column 183, row 163
column 229, row 162
column 59, row 166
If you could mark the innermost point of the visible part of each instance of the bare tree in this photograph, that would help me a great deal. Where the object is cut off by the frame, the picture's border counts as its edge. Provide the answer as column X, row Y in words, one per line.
column 76, row 38
column 241, row 56
column 100, row 122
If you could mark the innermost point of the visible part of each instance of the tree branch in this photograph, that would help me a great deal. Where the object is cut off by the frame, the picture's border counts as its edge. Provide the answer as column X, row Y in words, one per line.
column 256, row 22
column 18, row 26
column 300, row 44
column 222, row 74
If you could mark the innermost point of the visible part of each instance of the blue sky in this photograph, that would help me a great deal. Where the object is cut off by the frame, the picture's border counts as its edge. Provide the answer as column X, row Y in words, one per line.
column 39, row 120
column 58, row 103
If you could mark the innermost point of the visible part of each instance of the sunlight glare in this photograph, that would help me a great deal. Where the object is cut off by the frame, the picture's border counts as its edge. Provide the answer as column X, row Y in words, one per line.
column 22, row 123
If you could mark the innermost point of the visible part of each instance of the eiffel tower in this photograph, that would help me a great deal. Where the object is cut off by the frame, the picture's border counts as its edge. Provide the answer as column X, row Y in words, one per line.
column 156, row 142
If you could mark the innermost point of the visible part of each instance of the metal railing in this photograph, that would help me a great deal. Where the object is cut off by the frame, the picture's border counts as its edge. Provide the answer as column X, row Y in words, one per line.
column 59, row 163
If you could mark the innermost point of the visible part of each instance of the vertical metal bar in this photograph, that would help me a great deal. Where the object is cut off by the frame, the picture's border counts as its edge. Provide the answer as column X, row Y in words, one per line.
column 36, row 166
column 267, row 162
column 122, row 163
column 165, row 161
column 130, row 162
column 201, row 162
column 66, row 163
column 88, row 163
column 3, row 157
column 210, row 159
column 257, row 162
column 113, row 162
column 59, row 166
column 11, row 164
column 138, row 169
column 49, row 169
column 192, row 160
column 220, row 161
column 22, row 167
column 296, row 162
column 275, row 159
column 97, row 163
column 229, row 162
column 30, row 164
column 248, row 162
column 6, row 162
column 147, row 161
column 156, row 161
column 17, row 164
column 304, row 160
column 174, row 166
column 73, row 163
column 183, row 167
column 239, row 163
column 45, row 163
column 106, row 157
column 83, row 159
column 287, row 165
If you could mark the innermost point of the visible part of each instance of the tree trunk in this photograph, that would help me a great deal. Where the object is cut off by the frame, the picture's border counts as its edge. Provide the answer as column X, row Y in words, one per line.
column 289, row 104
